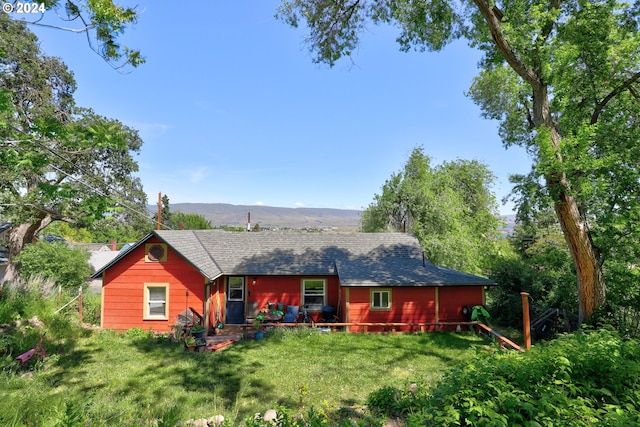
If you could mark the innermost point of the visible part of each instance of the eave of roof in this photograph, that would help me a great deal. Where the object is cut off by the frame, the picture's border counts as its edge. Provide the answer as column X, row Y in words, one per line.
column 359, row 259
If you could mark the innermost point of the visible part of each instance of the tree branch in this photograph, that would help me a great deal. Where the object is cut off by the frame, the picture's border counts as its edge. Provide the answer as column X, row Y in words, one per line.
column 493, row 21
column 615, row 92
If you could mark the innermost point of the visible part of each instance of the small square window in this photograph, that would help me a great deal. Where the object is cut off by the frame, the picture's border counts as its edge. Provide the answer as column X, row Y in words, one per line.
column 381, row 299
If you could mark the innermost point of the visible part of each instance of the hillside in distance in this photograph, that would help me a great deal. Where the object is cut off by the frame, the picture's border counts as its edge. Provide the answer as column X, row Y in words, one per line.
column 223, row 214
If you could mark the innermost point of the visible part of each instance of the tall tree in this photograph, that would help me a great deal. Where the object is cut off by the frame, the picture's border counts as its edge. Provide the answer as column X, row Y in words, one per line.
column 450, row 208
column 190, row 221
column 563, row 78
column 101, row 21
column 58, row 162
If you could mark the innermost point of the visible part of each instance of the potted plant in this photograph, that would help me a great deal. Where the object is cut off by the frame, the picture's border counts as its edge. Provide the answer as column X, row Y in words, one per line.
column 198, row 331
column 257, row 325
column 190, row 343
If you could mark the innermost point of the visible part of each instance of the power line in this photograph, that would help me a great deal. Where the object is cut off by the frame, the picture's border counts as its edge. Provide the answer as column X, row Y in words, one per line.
column 147, row 214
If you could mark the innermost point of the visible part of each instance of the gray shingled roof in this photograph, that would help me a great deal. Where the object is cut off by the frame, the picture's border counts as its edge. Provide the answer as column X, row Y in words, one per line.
column 359, row 259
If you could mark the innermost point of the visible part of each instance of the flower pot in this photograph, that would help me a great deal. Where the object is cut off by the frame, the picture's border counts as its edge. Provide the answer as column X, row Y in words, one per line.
column 199, row 334
column 259, row 335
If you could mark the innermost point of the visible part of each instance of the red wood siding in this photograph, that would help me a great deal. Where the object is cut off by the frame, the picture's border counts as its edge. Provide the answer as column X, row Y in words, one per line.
column 123, row 290
column 452, row 299
column 408, row 305
column 288, row 290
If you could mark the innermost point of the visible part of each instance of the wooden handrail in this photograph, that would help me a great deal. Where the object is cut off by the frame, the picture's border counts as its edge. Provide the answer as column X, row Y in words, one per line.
column 503, row 340
column 196, row 314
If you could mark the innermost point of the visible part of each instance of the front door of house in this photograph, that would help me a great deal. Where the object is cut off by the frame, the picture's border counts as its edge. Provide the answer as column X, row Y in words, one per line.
column 235, row 300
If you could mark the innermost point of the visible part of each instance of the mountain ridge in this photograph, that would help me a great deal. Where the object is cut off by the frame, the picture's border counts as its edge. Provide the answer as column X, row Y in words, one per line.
column 225, row 214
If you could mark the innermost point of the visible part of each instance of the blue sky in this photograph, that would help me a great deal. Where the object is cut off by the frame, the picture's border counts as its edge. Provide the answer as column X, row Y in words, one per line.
column 232, row 109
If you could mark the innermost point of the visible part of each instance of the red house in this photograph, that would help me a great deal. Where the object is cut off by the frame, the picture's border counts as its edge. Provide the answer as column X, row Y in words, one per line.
column 228, row 277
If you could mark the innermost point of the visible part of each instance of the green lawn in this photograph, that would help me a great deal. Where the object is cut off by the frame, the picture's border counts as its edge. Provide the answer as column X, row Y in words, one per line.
column 111, row 379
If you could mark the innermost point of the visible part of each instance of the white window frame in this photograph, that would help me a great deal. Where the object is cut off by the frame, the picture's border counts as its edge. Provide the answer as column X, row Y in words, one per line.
column 230, row 285
column 304, row 294
column 146, row 314
column 380, row 292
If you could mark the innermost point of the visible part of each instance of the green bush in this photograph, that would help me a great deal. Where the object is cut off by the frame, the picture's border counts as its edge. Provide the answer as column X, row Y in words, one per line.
column 587, row 378
column 67, row 266
column 25, row 299
column 91, row 304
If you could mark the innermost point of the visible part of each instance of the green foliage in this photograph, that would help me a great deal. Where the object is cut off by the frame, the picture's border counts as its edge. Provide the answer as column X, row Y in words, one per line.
column 588, row 378
column 25, row 299
column 57, row 261
column 70, row 234
column 450, row 209
column 156, row 379
column 103, row 21
column 537, row 262
column 91, row 308
column 179, row 220
column 58, row 161
column 562, row 80
column 480, row 314
column 191, row 221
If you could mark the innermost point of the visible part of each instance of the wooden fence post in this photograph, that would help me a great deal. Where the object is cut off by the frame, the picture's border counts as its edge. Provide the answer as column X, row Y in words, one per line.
column 526, row 322
column 80, row 304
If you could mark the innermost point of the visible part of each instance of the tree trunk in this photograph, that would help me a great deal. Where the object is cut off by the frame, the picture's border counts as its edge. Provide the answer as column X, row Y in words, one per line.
column 591, row 287
column 590, row 281
column 19, row 235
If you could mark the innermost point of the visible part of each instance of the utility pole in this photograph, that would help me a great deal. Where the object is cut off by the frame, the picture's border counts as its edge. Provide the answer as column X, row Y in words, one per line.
column 159, row 210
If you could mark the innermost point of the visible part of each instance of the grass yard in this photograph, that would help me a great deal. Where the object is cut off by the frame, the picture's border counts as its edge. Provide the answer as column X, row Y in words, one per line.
column 113, row 379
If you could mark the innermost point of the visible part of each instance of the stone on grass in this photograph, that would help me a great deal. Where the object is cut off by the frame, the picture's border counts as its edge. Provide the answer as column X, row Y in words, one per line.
column 270, row 415
column 216, row 420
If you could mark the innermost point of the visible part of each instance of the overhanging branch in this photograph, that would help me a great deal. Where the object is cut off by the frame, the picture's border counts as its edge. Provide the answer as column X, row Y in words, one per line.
column 615, row 92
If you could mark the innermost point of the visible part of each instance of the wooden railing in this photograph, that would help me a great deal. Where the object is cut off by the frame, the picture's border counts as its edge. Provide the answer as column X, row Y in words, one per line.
column 395, row 326
column 198, row 316
column 503, row 341
column 385, row 326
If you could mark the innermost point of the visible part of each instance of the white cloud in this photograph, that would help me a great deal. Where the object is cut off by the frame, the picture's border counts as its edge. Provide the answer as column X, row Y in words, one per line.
column 197, row 175
column 300, row 205
column 259, row 203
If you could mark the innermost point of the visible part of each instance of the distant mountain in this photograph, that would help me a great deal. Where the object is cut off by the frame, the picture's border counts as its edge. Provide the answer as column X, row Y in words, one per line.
column 223, row 214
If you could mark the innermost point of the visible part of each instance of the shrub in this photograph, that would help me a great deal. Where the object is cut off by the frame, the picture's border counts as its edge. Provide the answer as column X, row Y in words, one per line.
column 67, row 266
column 91, row 308
column 24, row 299
column 587, row 378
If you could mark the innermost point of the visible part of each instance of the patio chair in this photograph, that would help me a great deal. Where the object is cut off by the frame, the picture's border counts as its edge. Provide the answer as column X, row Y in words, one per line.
column 292, row 314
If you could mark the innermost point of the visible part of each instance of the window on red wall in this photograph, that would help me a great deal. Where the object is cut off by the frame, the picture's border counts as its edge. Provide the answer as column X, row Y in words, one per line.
column 314, row 293
column 381, row 299
column 156, row 301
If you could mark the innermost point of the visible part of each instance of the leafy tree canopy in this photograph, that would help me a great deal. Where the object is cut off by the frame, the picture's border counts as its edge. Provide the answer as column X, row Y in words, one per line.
column 102, row 21
column 178, row 220
column 58, row 162
column 563, row 80
column 450, row 208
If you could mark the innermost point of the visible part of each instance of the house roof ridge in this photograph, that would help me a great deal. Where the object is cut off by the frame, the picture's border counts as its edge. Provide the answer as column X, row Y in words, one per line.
column 207, row 251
